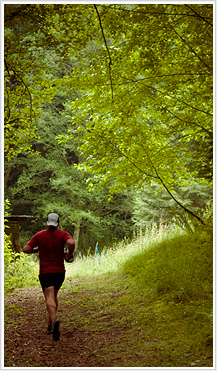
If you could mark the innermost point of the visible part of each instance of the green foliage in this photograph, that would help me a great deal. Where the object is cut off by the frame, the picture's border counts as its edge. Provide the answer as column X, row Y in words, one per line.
column 137, row 115
column 152, row 203
column 7, row 206
column 121, row 91
column 30, row 65
column 19, row 270
column 39, row 184
column 141, row 116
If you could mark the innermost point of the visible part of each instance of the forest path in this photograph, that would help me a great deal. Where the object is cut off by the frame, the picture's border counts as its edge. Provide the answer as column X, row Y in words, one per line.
column 104, row 322
column 27, row 343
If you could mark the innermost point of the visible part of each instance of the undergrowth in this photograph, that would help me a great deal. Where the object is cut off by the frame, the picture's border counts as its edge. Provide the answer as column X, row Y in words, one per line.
column 19, row 270
column 156, row 290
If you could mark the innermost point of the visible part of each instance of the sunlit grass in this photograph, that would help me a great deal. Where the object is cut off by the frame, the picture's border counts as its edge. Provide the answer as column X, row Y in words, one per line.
column 112, row 259
column 167, row 260
column 169, row 270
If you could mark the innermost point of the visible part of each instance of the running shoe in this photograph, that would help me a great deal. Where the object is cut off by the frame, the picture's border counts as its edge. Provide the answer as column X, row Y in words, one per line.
column 49, row 329
column 56, row 331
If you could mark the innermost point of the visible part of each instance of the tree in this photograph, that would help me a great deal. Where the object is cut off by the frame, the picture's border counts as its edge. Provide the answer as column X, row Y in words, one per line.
column 49, row 181
column 144, row 77
column 29, row 82
column 138, row 101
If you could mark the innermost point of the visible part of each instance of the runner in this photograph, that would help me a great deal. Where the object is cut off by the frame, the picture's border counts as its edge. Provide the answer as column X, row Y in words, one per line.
column 50, row 244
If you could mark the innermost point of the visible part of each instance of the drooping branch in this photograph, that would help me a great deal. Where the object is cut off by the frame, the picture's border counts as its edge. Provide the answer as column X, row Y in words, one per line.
column 110, row 61
column 182, row 206
column 168, row 191
column 155, row 175
column 171, row 96
column 159, row 13
column 27, row 89
column 198, row 15
column 184, row 102
column 192, row 50
column 192, row 124
column 6, row 66
column 136, row 166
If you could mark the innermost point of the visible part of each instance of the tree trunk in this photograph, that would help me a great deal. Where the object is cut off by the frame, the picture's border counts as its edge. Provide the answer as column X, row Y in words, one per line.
column 7, row 174
column 77, row 233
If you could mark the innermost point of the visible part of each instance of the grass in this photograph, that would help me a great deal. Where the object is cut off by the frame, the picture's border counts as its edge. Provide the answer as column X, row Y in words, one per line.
column 162, row 285
column 147, row 303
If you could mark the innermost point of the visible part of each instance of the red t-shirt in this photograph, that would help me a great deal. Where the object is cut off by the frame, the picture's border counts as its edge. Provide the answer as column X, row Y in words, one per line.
column 51, row 249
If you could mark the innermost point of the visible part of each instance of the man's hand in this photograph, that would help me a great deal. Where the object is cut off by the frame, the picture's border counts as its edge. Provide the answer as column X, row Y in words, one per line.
column 71, row 247
column 69, row 257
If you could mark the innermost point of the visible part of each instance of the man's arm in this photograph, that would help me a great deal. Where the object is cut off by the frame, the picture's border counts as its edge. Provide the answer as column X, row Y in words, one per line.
column 30, row 250
column 71, row 246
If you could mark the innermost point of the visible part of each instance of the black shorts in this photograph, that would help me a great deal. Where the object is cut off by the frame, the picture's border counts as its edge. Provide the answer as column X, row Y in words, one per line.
column 51, row 279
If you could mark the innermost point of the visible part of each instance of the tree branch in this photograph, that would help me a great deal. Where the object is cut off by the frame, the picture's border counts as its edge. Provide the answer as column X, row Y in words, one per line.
column 158, row 13
column 183, row 207
column 171, row 96
column 110, row 61
column 189, row 46
column 133, row 163
column 27, row 88
column 198, row 15
column 171, row 195
column 192, row 124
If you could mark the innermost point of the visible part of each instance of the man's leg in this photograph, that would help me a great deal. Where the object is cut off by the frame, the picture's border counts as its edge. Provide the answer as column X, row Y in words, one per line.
column 55, row 297
column 51, row 302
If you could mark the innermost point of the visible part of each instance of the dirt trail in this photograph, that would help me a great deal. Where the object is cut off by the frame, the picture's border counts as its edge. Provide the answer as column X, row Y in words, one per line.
column 27, row 343
column 99, row 328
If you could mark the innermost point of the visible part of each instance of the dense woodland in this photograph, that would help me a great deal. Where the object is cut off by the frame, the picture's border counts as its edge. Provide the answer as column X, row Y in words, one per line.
column 108, row 117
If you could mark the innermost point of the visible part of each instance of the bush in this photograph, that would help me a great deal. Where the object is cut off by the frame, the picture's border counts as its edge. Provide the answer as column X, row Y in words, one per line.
column 19, row 270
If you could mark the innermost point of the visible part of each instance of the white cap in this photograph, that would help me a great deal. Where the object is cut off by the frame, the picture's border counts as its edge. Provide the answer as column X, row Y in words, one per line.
column 53, row 219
